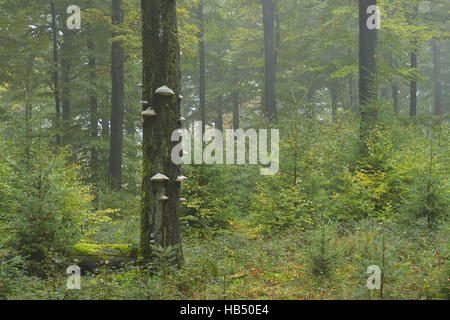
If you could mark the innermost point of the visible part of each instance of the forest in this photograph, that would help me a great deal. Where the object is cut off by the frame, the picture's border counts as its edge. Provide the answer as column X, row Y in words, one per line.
column 224, row 150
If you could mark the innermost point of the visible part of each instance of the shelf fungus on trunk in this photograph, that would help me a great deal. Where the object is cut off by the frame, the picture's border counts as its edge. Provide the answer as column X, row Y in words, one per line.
column 159, row 177
column 165, row 91
column 144, row 102
column 148, row 113
column 182, row 119
column 181, row 178
column 140, row 85
column 180, row 97
column 183, row 200
column 163, row 198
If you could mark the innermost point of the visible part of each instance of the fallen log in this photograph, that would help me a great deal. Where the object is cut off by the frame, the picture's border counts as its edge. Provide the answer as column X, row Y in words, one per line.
column 90, row 257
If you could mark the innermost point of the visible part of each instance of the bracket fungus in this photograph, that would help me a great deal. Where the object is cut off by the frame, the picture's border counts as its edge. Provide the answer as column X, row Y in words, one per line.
column 182, row 119
column 183, row 200
column 148, row 113
column 140, row 85
column 159, row 177
column 144, row 102
column 163, row 198
column 180, row 97
column 165, row 91
column 181, row 178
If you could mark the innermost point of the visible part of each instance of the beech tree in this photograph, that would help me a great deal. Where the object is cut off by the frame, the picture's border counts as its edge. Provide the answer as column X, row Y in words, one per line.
column 269, row 100
column 117, row 96
column 367, row 69
column 160, row 208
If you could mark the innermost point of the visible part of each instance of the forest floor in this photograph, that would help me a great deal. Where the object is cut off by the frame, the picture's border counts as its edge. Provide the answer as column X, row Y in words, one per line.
column 235, row 266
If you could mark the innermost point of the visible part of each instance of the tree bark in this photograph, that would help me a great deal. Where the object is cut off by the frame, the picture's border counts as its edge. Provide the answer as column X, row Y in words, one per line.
column 413, row 88
column 93, row 115
column 201, row 54
column 395, row 97
column 66, row 65
column 334, row 100
column 437, row 76
column 219, row 124
column 413, row 61
column 117, row 95
column 367, row 70
column 160, row 220
column 235, row 99
column 57, row 124
column 269, row 99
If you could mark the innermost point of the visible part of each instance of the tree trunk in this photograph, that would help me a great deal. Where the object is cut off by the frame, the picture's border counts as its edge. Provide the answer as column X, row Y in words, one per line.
column 201, row 54
column 437, row 76
column 93, row 110
column 66, row 62
column 367, row 70
column 219, row 124
column 269, row 99
column 160, row 220
column 413, row 88
column 334, row 100
column 235, row 99
column 413, row 58
column 395, row 97
column 117, row 95
column 57, row 124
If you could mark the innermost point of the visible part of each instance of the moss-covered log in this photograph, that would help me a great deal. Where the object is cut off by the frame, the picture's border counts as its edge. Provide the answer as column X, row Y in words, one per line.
column 91, row 256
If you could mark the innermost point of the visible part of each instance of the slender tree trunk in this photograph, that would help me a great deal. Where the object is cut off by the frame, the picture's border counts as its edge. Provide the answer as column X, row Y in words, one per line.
column 413, row 88
column 57, row 124
column 93, row 110
column 367, row 70
column 437, row 76
column 395, row 97
column 413, row 58
column 66, row 49
column 160, row 219
column 269, row 99
column 235, row 100
column 219, row 124
column 334, row 100
column 201, row 54
column 117, row 95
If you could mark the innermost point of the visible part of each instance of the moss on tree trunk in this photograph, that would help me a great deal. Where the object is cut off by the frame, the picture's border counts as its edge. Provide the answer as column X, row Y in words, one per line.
column 160, row 220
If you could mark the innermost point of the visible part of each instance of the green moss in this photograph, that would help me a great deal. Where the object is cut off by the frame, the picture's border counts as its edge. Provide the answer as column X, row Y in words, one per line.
column 84, row 249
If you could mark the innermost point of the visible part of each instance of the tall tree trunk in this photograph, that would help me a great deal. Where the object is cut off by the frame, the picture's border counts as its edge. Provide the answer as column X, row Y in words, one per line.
column 269, row 99
column 66, row 62
column 93, row 110
column 235, row 99
column 219, row 124
column 160, row 219
column 201, row 54
column 437, row 76
column 413, row 88
column 57, row 124
column 334, row 100
column 395, row 97
column 117, row 95
column 367, row 71
column 413, row 58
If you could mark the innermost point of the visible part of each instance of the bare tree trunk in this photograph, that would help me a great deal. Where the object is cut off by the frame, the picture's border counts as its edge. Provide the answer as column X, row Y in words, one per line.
column 235, row 100
column 160, row 219
column 117, row 111
column 219, row 124
column 334, row 100
column 269, row 99
column 201, row 54
column 367, row 71
column 437, row 76
column 57, row 124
